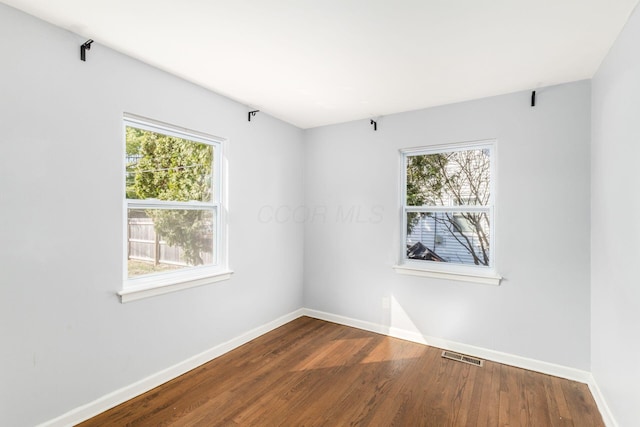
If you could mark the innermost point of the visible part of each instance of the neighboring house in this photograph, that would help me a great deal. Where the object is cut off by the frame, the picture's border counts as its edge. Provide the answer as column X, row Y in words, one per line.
column 441, row 244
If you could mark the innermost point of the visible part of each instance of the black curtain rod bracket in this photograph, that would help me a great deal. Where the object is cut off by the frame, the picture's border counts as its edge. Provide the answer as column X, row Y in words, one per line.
column 252, row 113
column 533, row 98
column 84, row 48
column 374, row 123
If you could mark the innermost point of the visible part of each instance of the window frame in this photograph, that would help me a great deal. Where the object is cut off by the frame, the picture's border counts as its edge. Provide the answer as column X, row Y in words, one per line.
column 453, row 271
column 164, row 282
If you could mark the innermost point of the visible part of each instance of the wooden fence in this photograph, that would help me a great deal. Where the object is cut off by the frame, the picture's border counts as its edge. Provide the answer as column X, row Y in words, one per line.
column 144, row 244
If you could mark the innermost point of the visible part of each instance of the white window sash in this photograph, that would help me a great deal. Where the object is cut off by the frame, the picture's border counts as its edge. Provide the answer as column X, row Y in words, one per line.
column 445, row 270
column 452, row 209
column 168, row 204
column 156, row 284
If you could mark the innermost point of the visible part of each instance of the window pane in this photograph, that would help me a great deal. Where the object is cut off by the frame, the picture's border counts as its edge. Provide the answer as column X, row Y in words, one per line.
column 455, row 178
column 453, row 237
column 169, row 239
column 164, row 167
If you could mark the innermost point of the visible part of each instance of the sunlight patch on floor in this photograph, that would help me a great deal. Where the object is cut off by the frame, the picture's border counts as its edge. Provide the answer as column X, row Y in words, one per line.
column 333, row 354
column 393, row 350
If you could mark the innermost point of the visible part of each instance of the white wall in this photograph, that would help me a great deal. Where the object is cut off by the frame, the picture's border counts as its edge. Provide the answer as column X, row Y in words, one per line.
column 541, row 310
column 65, row 337
column 615, row 151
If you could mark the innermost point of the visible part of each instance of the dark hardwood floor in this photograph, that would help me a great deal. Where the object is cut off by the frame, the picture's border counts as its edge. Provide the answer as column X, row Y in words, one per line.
column 314, row 373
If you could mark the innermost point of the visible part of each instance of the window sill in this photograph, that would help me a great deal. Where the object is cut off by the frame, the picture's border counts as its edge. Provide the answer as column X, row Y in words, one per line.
column 485, row 278
column 160, row 287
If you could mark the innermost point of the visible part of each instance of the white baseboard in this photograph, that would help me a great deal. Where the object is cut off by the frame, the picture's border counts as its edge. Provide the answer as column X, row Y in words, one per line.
column 605, row 411
column 483, row 353
column 117, row 397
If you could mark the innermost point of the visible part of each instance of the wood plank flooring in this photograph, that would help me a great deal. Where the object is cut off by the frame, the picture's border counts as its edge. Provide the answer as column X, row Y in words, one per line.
column 315, row 373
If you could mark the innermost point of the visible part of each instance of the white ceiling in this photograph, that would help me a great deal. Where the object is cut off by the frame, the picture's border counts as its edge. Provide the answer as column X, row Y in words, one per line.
column 318, row 62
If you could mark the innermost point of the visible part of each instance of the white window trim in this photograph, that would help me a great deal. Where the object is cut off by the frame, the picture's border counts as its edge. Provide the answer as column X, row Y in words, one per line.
column 163, row 285
column 157, row 284
column 484, row 277
column 459, row 272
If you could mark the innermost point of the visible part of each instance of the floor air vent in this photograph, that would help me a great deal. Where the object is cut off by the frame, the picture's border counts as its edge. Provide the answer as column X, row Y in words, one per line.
column 462, row 358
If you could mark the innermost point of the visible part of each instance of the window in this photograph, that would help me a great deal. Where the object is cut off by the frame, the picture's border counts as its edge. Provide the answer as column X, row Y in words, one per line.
column 174, row 209
column 447, row 212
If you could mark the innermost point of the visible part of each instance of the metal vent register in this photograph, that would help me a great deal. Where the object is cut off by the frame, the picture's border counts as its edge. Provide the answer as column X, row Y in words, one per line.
column 462, row 358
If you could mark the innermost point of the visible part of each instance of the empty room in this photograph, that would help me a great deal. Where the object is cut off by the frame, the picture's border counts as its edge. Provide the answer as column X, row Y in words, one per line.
column 319, row 213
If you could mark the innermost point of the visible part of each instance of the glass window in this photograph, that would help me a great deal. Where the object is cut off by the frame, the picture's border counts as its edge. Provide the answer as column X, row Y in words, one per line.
column 448, row 205
column 173, row 202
